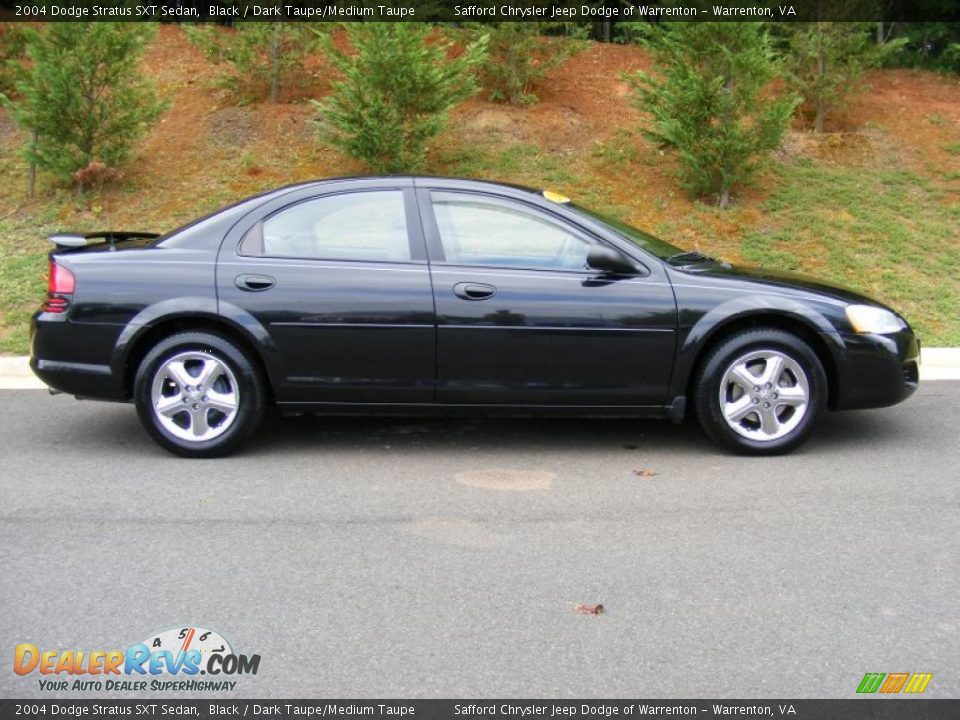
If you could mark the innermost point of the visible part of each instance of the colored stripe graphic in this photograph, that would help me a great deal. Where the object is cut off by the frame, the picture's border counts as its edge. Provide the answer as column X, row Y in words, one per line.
column 870, row 682
column 918, row 682
column 894, row 683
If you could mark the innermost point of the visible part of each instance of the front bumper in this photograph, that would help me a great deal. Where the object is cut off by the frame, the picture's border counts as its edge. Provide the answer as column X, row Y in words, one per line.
column 877, row 370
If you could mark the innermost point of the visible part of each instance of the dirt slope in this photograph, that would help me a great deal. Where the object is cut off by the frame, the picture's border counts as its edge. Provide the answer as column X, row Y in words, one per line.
column 206, row 146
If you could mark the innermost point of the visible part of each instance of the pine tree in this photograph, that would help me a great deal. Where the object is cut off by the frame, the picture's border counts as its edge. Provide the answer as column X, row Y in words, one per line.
column 825, row 62
column 518, row 58
column 710, row 102
column 83, row 95
column 259, row 57
column 396, row 90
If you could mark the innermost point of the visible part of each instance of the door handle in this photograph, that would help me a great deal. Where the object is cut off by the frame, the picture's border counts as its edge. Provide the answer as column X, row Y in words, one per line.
column 474, row 291
column 254, row 283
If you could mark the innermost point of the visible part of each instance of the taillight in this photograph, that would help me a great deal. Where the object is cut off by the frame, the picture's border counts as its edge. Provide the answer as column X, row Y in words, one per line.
column 59, row 289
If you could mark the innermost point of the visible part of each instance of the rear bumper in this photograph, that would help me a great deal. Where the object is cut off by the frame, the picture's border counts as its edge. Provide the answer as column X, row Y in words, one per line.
column 81, row 379
column 70, row 357
column 877, row 370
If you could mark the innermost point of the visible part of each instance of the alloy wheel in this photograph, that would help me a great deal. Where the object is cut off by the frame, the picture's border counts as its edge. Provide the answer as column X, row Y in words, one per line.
column 195, row 396
column 764, row 395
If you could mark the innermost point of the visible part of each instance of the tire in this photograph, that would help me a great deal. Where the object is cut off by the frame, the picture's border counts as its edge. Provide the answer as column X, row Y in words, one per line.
column 767, row 415
column 189, row 418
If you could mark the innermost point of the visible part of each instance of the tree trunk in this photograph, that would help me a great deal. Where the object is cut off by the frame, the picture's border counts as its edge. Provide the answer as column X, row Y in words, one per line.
column 275, row 64
column 32, row 172
column 724, row 197
column 880, row 33
column 821, row 70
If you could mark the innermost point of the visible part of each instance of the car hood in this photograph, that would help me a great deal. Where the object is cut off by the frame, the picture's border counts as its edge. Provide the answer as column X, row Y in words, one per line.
column 782, row 279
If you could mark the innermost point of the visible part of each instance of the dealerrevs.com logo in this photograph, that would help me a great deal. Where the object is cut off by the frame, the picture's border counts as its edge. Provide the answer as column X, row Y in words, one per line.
column 171, row 660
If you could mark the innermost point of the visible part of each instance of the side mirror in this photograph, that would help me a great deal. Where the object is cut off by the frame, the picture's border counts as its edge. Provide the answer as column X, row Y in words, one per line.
column 608, row 260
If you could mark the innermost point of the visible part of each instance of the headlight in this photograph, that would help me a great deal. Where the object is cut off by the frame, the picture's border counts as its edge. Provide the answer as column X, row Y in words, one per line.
column 870, row 319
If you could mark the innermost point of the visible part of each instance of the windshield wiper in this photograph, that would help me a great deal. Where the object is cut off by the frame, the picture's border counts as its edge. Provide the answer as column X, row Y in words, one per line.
column 694, row 256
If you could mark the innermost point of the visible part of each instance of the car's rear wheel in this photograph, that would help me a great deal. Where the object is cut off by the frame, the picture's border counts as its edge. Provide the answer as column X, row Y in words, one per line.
column 198, row 394
column 760, row 392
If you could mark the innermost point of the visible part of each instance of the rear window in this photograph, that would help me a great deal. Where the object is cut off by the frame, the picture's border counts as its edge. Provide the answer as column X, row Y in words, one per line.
column 207, row 232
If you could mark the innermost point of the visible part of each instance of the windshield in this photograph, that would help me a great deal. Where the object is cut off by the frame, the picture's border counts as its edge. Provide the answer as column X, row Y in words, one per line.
column 651, row 244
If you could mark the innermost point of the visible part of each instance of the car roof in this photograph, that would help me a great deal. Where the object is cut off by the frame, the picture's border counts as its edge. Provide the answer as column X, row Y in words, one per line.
column 417, row 181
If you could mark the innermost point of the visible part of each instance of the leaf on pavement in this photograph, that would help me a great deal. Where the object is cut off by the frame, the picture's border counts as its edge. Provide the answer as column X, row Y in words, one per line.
column 588, row 609
column 644, row 472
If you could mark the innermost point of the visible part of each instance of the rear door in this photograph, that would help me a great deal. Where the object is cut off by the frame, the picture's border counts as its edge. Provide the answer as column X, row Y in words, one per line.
column 522, row 321
column 339, row 280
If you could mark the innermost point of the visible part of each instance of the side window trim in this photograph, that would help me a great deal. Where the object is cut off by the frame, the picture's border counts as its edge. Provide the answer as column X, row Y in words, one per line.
column 251, row 244
column 414, row 229
column 431, row 232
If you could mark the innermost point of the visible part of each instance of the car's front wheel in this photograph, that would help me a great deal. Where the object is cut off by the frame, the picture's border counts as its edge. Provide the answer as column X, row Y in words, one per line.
column 198, row 394
column 761, row 392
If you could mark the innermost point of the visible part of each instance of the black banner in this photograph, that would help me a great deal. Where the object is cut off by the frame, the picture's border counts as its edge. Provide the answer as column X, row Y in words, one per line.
column 230, row 11
column 853, row 709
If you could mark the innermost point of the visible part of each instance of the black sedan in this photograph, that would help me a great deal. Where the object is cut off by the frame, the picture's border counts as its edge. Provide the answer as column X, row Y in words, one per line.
column 400, row 295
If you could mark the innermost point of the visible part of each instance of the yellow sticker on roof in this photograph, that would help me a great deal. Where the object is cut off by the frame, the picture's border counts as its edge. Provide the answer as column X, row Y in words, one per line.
column 555, row 197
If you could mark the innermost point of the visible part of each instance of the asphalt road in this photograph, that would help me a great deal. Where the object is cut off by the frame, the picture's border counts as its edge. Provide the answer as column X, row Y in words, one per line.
column 409, row 558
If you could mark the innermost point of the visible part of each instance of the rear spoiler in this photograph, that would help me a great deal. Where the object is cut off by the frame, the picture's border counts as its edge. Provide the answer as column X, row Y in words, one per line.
column 78, row 240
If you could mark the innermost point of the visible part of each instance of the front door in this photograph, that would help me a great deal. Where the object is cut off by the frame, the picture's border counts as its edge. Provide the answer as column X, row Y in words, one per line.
column 521, row 320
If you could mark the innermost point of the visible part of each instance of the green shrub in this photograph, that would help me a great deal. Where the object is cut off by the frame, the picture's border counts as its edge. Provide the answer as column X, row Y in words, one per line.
column 396, row 89
column 951, row 58
column 930, row 45
column 257, row 58
column 83, row 95
column 825, row 63
column 709, row 102
column 518, row 58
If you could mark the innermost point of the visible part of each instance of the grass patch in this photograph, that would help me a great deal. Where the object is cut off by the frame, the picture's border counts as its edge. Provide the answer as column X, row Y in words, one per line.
column 620, row 150
column 884, row 232
column 25, row 225
column 22, row 287
column 522, row 163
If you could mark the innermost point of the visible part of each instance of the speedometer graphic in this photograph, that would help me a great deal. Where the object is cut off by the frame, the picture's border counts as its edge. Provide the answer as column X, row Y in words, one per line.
column 184, row 639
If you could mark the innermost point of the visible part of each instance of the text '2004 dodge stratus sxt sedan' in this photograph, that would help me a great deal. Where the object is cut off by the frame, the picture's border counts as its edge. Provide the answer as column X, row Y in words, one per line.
column 429, row 295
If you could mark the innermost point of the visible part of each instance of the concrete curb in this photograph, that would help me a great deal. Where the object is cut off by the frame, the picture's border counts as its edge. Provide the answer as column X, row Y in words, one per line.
column 15, row 374
column 938, row 364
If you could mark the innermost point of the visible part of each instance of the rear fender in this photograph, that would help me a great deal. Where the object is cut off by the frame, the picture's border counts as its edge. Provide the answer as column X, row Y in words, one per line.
column 204, row 310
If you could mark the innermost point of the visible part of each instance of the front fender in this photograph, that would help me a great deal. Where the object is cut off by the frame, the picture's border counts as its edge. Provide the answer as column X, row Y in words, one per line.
column 699, row 330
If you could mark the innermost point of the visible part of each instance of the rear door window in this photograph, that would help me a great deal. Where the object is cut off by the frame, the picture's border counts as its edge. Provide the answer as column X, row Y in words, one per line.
column 364, row 226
